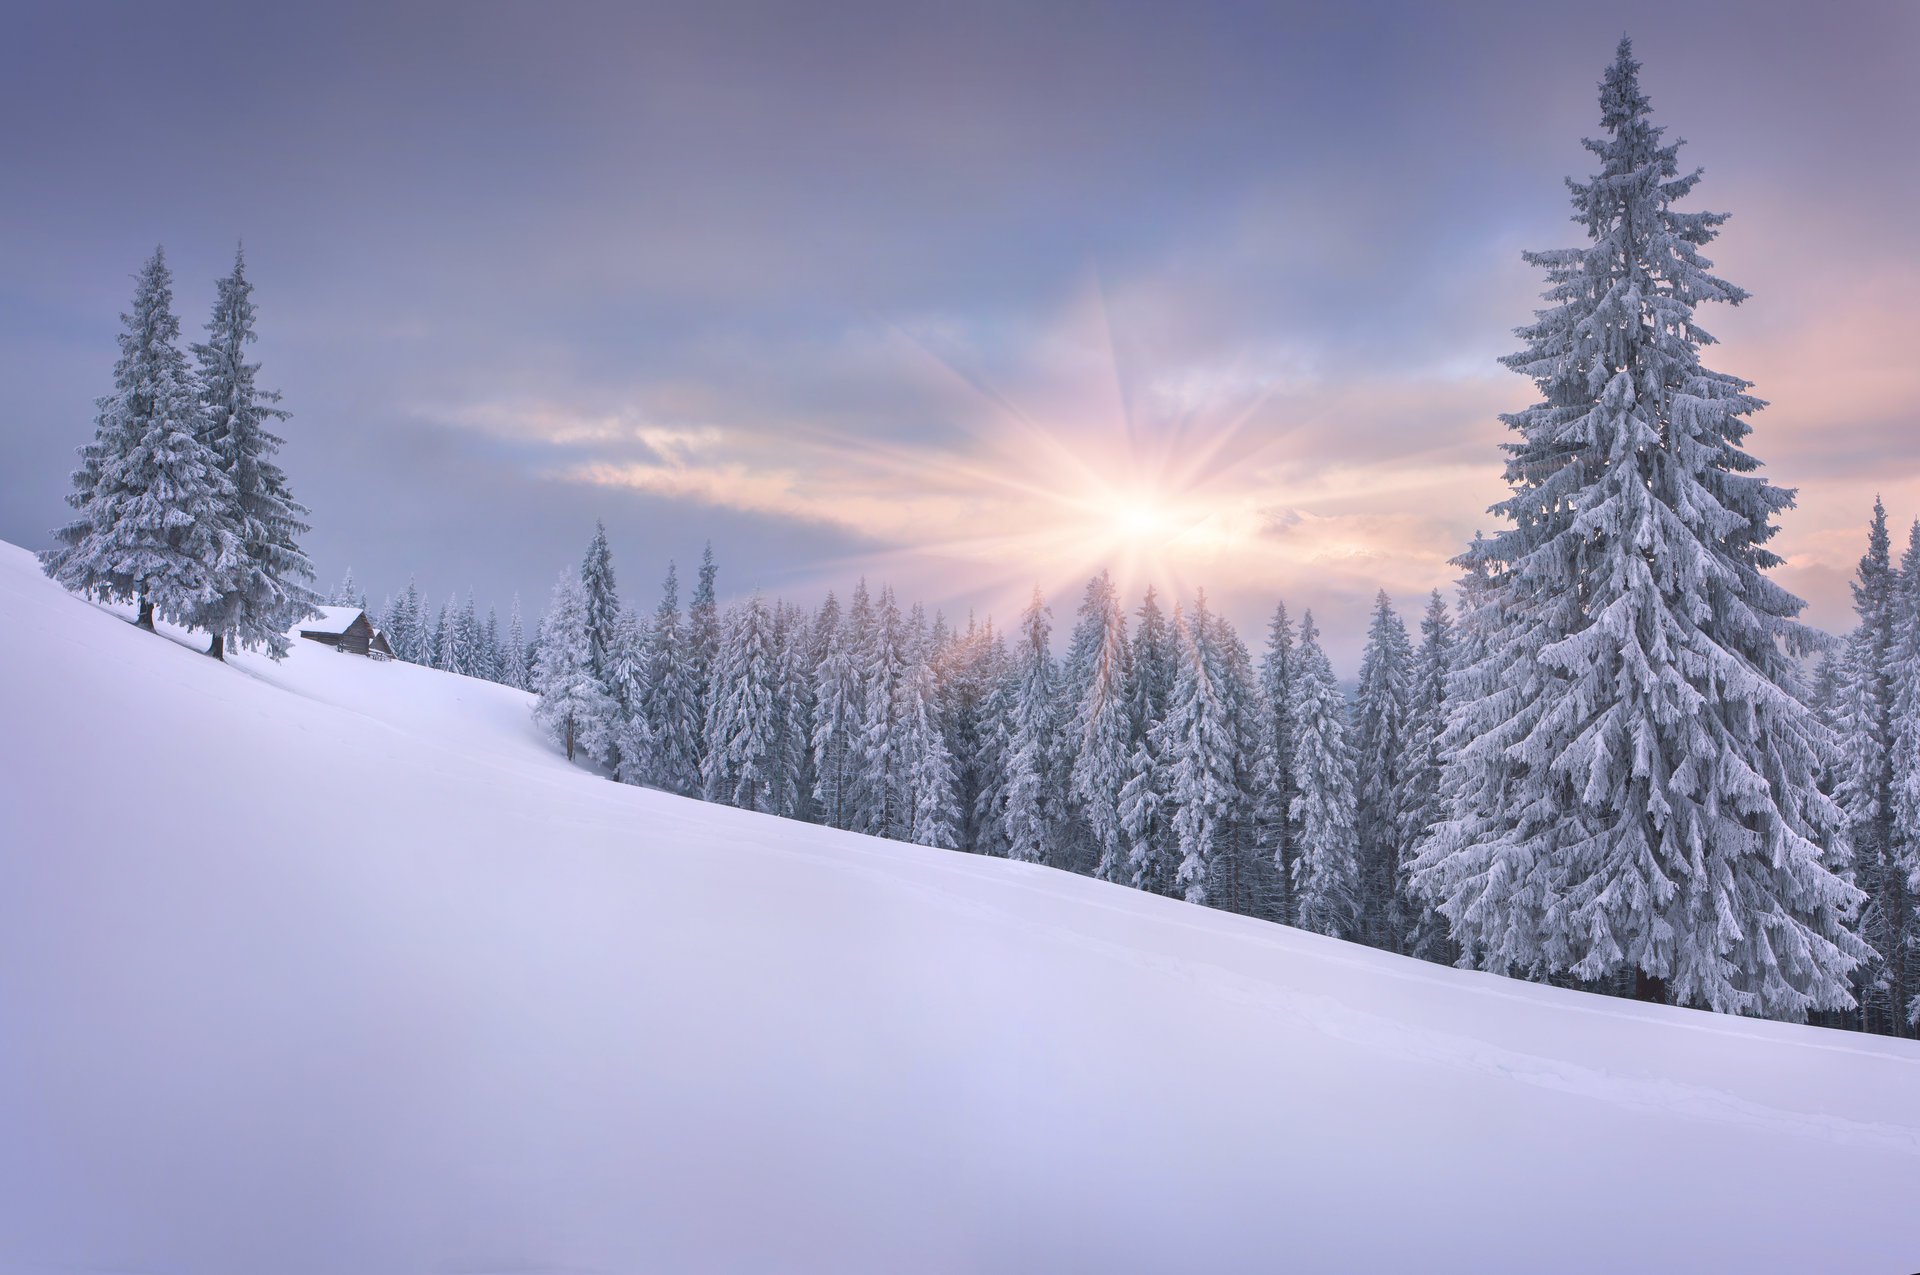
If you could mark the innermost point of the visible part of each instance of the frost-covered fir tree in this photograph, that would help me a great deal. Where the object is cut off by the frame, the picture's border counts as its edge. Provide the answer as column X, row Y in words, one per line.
column 263, row 594
column 154, row 507
column 703, row 630
column 1380, row 757
column 993, row 739
column 965, row 679
column 1904, row 978
column 670, row 697
column 630, row 755
column 490, row 646
column 437, row 636
column 1101, row 729
column 839, row 710
column 1276, row 799
column 878, row 786
column 1424, row 932
column 1029, row 799
column 792, row 793
column 1243, row 876
column 741, row 715
column 932, row 810
column 572, row 707
column 513, row 653
column 1326, row 869
column 603, row 602
column 1866, row 779
column 1143, row 823
column 346, row 593
column 1153, row 663
column 1644, row 800
column 1196, row 745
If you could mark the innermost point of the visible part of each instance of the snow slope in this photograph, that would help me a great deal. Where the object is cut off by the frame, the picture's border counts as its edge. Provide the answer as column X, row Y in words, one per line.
column 334, row 966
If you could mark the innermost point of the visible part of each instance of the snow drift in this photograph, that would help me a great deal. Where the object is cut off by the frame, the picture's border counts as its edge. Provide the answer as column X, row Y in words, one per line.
column 334, row 966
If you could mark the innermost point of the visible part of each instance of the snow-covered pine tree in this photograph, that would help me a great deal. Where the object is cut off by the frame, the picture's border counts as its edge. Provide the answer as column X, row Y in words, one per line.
column 1145, row 812
column 1423, row 931
column 630, row 755
column 402, row 625
column 437, row 636
column 1153, row 664
column 703, row 631
column 932, row 806
column 1143, row 823
column 1196, row 743
column 839, row 711
column 490, row 662
column 1101, row 731
column 993, row 739
column 1029, row 799
column 264, row 593
column 1276, row 799
column 1649, row 783
column 153, row 503
column 964, row 679
column 466, row 639
column 1326, row 871
column 879, row 776
column 572, row 707
column 792, row 794
column 671, row 699
column 1905, row 976
column 346, row 593
column 603, row 602
column 513, row 655
column 741, row 716
column 1380, row 748
column 1243, row 879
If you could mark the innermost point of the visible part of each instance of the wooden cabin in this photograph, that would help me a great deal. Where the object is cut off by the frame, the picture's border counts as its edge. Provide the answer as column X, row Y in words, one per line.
column 346, row 629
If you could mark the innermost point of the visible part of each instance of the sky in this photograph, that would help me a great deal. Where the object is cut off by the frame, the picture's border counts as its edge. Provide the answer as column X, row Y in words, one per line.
column 967, row 299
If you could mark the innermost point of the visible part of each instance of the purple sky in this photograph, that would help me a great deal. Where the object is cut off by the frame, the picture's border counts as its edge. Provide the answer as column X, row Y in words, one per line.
column 962, row 298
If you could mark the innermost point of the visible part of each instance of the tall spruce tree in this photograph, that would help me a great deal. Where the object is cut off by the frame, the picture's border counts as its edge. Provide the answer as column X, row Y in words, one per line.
column 1865, row 774
column 1646, row 801
column 513, row 655
column 1101, row 730
column 1196, row 744
column 1902, row 898
column 739, row 764
column 263, row 594
column 1030, row 796
column 603, row 603
column 703, row 630
column 879, row 775
column 1276, row 800
column 1380, row 746
column 670, row 697
column 1423, row 931
column 573, row 708
column 1326, row 868
column 838, row 708
column 154, row 506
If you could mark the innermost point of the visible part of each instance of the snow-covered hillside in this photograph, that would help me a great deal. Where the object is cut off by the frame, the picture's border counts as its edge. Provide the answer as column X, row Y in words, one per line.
column 334, row 966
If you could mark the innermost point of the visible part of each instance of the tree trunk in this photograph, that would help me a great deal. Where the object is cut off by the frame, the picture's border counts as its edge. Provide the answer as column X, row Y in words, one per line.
column 569, row 739
column 1646, row 987
column 218, row 647
column 145, row 620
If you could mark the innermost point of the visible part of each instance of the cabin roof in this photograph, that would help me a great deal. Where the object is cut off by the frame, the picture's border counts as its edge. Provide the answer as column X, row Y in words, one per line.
column 331, row 620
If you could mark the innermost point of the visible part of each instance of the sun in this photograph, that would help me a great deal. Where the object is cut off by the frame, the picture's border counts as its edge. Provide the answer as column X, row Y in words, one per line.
column 1139, row 520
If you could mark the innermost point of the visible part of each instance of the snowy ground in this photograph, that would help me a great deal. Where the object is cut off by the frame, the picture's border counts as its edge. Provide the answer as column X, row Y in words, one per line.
column 334, row 966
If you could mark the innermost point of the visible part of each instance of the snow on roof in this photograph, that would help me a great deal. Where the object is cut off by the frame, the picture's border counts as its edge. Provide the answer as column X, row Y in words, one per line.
column 329, row 620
